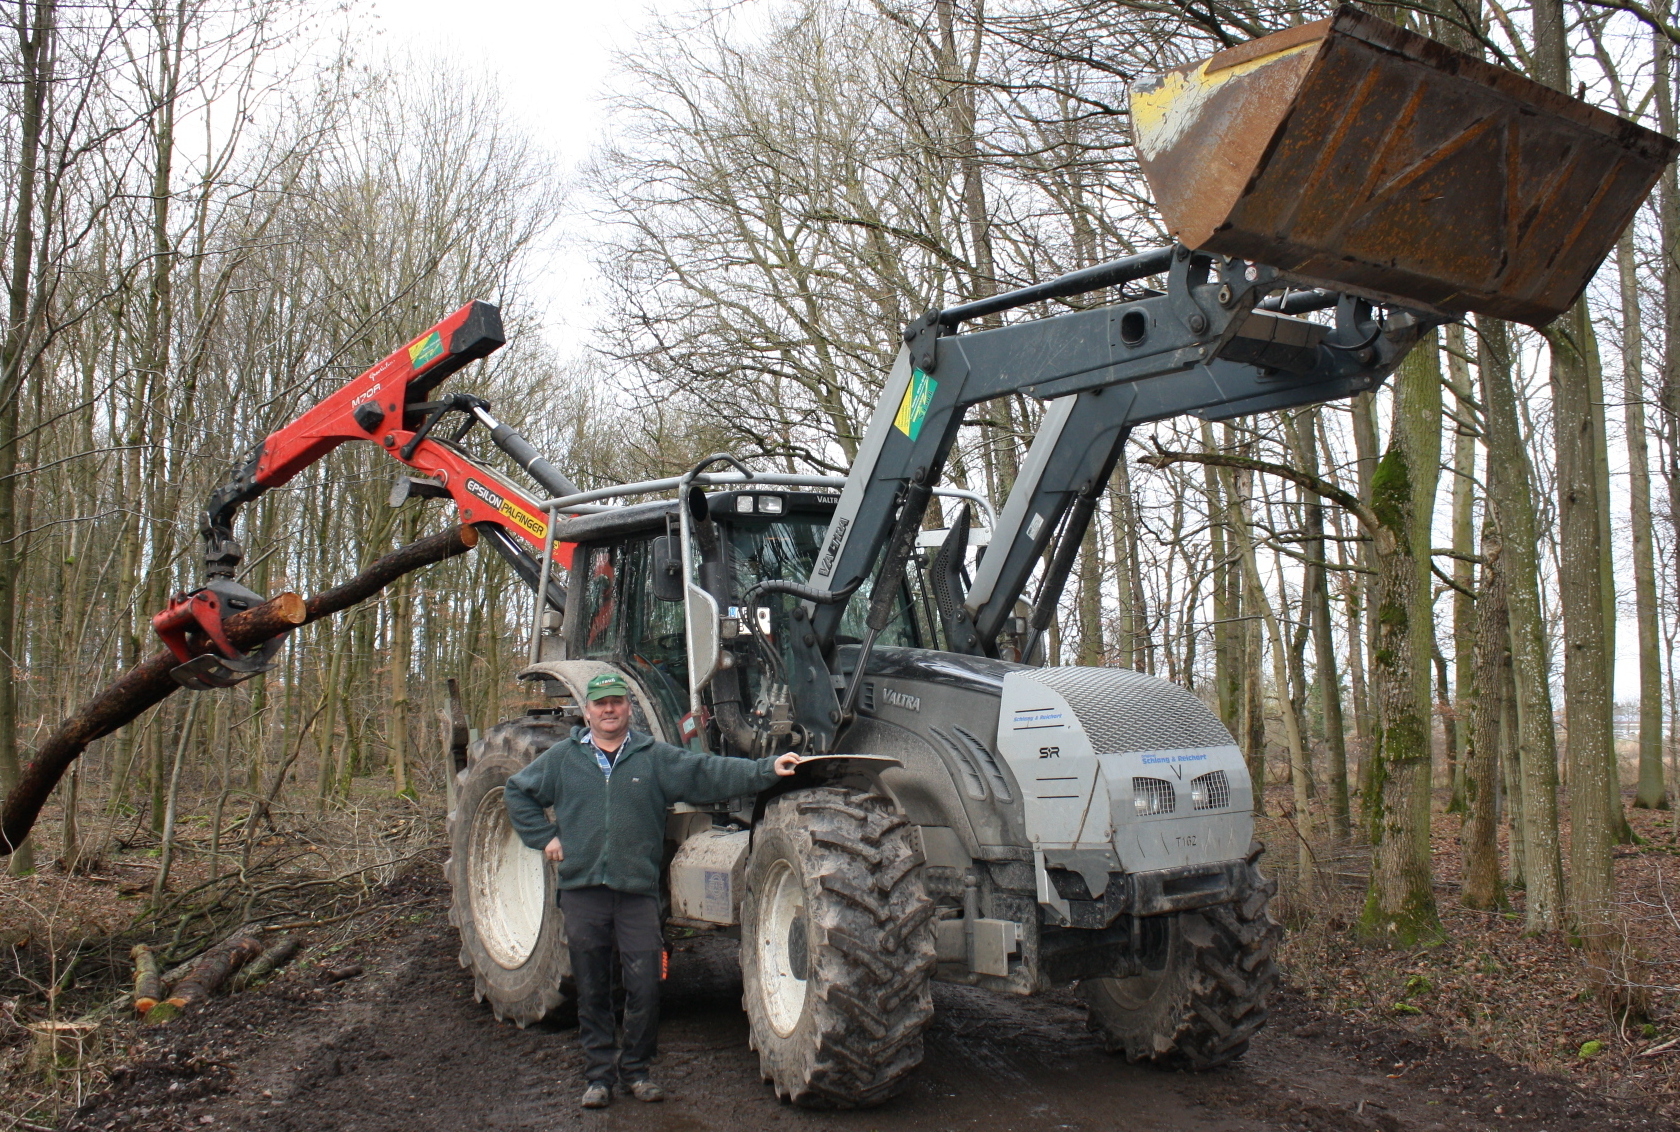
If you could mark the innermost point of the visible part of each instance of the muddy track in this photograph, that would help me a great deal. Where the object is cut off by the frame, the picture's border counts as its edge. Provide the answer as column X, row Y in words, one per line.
column 405, row 1047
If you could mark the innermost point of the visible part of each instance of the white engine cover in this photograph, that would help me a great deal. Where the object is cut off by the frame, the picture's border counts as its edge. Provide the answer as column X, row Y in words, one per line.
column 1084, row 743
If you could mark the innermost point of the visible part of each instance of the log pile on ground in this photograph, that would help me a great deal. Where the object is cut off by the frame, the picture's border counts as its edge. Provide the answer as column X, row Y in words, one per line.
column 207, row 975
column 241, row 958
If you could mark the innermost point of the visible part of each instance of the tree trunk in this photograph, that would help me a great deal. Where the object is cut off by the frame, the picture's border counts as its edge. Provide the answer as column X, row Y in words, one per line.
column 149, row 683
column 1324, row 645
column 1482, row 887
column 1652, row 793
column 1400, row 903
column 402, row 646
column 1465, row 630
column 1225, row 644
column 1668, row 401
column 1362, row 606
column 36, row 34
column 1280, row 677
column 1586, row 671
column 1510, row 771
column 1513, row 504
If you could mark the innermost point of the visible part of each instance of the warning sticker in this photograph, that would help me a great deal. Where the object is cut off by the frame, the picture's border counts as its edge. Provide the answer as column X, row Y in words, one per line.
column 427, row 349
column 913, row 410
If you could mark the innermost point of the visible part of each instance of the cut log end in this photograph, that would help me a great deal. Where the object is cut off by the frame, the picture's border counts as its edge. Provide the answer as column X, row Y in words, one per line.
column 148, row 983
column 289, row 607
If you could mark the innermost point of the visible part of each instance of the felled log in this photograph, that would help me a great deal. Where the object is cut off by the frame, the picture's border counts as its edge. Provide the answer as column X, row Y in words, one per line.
column 265, row 964
column 209, row 973
column 339, row 974
column 149, row 683
column 148, row 981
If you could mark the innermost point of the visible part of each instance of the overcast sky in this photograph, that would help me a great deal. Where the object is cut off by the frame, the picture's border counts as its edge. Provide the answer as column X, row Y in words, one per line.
column 554, row 64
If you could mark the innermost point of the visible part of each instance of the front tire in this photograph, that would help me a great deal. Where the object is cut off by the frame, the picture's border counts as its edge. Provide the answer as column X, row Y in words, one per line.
column 837, row 951
column 1203, row 990
column 513, row 936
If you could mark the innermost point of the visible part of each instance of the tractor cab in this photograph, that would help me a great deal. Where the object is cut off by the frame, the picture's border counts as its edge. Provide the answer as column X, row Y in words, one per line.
column 625, row 594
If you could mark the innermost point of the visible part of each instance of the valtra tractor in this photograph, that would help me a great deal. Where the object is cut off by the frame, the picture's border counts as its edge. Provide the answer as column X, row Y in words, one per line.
column 1334, row 192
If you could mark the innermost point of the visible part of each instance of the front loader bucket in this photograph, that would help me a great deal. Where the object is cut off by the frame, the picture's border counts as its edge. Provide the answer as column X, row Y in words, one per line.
column 1353, row 154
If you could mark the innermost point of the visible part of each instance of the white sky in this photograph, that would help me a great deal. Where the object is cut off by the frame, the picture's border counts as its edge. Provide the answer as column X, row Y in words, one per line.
column 554, row 63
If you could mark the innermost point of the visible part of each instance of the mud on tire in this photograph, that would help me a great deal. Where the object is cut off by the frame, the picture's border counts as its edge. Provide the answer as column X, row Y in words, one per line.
column 837, row 950
column 1207, row 976
column 513, row 938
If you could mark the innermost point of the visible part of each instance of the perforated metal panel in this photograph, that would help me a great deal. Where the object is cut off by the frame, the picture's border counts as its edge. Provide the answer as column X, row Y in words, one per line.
column 1124, row 711
column 1211, row 791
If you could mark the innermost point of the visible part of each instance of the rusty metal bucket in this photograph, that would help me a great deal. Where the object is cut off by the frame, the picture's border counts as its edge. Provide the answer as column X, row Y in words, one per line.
column 1353, row 154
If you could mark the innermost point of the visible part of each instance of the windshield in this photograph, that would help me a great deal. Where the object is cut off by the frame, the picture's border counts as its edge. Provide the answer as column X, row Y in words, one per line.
column 785, row 550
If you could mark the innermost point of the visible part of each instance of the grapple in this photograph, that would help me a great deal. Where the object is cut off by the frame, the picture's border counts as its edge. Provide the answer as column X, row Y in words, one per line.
column 1353, row 154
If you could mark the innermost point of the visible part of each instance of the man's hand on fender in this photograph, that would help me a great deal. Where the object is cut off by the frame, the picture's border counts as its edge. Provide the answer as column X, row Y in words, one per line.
column 786, row 763
column 552, row 851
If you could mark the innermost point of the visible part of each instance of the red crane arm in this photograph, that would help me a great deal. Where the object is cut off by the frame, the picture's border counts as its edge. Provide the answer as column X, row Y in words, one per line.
column 379, row 406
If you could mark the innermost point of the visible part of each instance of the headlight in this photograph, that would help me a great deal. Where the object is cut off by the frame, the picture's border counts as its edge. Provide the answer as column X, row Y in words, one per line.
column 1210, row 791
column 1152, row 796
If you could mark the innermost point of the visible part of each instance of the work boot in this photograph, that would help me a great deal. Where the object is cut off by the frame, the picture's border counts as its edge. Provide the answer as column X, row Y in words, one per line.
column 645, row 1090
column 596, row 1095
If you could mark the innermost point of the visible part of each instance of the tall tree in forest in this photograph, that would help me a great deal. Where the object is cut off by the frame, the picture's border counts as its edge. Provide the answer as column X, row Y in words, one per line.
column 1652, row 793
column 34, row 26
column 1581, row 588
column 1316, row 597
column 1582, row 555
column 1400, row 902
column 1512, row 500
column 1463, row 532
column 1482, row 886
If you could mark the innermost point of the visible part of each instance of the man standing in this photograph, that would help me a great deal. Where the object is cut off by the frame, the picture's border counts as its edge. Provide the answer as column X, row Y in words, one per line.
column 610, row 788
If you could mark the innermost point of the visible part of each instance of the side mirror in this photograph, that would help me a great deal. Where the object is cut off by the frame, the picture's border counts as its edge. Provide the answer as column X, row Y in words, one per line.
column 704, row 646
column 667, row 580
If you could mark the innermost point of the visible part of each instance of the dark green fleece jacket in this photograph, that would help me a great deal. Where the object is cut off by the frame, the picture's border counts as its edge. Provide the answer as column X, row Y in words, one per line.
column 612, row 830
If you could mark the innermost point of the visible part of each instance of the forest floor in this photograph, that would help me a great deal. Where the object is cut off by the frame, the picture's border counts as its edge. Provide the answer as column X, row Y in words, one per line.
column 1484, row 1031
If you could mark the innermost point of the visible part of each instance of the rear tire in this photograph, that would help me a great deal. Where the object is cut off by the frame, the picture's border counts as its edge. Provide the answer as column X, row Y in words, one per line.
column 1203, row 993
column 837, row 950
column 513, row 937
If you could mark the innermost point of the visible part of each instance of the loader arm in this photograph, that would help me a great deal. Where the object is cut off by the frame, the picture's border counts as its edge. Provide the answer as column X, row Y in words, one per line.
column 1205, row 346
column 1350, row 158
column 385, row 405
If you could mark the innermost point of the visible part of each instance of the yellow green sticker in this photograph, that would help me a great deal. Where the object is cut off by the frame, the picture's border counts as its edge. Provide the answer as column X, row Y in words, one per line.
column 913, row 410
column 425, row 350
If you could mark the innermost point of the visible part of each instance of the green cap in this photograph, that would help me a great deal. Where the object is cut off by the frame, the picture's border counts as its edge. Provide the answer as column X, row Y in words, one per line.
column 606, row 684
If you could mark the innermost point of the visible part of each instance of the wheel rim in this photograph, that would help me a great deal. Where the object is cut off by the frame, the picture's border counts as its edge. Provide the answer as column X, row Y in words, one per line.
column 783, row 948
column 505, row 883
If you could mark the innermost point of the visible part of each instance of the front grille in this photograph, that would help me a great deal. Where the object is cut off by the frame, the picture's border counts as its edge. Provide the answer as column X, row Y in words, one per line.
column 1152, row 796
column 866, row 700
column 1211, row 791
column 1124, row 711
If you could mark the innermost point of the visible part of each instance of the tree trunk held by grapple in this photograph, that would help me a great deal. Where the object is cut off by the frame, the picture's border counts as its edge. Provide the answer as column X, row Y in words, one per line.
column 149, row 683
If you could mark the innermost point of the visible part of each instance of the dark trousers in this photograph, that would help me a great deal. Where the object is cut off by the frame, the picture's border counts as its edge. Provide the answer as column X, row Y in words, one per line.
column 598, row 921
